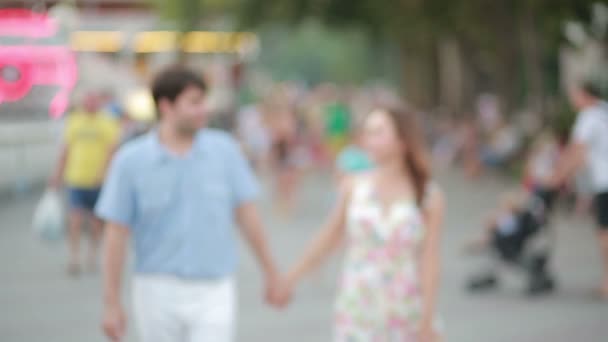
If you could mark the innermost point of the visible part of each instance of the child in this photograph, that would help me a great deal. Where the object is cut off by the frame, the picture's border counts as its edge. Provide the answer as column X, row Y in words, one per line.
column 515, row 232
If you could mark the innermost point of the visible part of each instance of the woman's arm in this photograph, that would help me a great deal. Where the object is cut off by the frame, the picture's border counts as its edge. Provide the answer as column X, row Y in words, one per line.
column 430, row 257
column 327, row 240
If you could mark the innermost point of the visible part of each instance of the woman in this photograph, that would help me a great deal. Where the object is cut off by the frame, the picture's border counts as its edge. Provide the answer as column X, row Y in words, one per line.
column 286, row 159
column 392, row 217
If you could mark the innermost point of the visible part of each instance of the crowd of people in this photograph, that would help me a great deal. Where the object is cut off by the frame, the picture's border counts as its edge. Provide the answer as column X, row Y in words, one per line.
column 176, row 189
column 292, row 129
column 551, row 165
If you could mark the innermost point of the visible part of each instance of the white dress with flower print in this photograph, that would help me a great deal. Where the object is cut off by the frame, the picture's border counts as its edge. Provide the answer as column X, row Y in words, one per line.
column 379, row 298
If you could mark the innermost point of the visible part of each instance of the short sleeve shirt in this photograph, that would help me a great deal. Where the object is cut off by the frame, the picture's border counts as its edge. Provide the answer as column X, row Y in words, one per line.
column 180, row 209
column 591, row 129
column 90, row 139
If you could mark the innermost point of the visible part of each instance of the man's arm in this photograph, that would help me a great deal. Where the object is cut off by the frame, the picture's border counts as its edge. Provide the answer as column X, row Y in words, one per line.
column 573, row 159
column 250, row 224
column 116, row 206
column 57, row 177
column 114, row 254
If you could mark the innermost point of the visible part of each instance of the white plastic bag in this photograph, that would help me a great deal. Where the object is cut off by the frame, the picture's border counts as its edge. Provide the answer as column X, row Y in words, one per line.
column 49, row 217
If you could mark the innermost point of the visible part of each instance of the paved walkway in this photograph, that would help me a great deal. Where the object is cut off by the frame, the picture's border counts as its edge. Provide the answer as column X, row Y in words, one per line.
column 39, row 303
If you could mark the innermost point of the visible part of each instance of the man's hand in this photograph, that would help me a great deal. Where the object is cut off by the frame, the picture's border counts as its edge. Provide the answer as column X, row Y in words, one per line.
column 272, row 288
column 114, row 322
column 573, row 159
column 115, row 249
column 281, row 293
column 54, row 183
column 251, row 227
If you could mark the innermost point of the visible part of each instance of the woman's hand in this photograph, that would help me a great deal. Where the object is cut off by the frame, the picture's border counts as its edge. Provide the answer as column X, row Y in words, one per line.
column 326, row 241
column 427, row 333
column 281, row 293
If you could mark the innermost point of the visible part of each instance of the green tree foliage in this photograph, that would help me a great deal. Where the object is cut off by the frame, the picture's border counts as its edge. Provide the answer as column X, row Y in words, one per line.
column 510, row 46
column 506, row 46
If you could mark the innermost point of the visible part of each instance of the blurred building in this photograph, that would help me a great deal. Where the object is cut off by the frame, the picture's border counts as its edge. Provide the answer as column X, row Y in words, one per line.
column 102, row 5
column 121, row 43
column 118, row 45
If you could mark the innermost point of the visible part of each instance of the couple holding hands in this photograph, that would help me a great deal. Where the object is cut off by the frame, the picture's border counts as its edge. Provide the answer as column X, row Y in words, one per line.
column 177, row 191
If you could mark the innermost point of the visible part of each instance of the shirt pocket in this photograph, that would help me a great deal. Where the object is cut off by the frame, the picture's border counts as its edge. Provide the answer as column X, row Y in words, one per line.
column 155, row 197
column 216, row 200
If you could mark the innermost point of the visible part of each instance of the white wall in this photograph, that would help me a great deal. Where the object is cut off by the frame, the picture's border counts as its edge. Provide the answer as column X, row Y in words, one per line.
column 28, row 152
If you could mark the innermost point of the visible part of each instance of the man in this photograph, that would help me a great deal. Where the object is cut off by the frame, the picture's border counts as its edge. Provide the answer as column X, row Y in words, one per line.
column 89, row 141
column 588, row 150
column 176, row 192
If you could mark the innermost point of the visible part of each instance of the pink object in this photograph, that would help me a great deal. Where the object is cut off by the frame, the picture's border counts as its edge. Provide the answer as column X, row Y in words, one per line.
column 25, row 23
column 22, row 67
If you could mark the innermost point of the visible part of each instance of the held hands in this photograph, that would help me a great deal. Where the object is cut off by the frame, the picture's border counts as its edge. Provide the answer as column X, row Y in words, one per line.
column 427, row 332
column 279, row 291
column 114, row 322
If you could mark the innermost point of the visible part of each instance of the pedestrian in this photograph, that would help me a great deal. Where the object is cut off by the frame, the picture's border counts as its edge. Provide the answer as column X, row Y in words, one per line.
column 90, row 139
column 286, row 158
column 588, row 152
column 176, row 192
column 254, row 135
column 392, row 216
column 337, row 126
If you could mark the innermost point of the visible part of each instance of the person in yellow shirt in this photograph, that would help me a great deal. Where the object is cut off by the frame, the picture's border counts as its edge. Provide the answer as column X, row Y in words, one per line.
column 90, row 139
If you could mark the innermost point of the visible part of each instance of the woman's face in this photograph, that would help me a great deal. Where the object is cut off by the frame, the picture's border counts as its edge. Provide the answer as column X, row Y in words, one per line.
column 380, row 137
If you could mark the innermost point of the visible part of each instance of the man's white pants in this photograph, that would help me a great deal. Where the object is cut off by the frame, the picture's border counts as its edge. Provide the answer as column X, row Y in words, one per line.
column 169, row 309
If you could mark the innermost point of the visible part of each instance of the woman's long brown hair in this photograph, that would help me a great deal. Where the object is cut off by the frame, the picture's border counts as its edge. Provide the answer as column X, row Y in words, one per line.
column 416, row 156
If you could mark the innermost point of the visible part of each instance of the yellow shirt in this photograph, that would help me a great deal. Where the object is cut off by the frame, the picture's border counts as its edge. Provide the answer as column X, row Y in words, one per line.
column 90, row 140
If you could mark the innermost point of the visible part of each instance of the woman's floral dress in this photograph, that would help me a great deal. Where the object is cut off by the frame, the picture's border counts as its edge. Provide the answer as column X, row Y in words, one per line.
column 379, row 296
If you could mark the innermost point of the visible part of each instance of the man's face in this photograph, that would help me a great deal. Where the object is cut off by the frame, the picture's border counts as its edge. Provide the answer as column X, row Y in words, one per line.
column 188, row 112
column 578, row 98
column 92, row 103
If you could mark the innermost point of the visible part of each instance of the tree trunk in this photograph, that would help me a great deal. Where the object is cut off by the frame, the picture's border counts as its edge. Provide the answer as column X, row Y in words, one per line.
column 533, row 64
column 420, row 75
column 451, row 80
column 411, row 77
column 506, row 68
column 475, row 80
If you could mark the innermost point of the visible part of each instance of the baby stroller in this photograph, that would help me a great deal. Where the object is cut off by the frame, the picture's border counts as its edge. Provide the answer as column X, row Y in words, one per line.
column 526, row 245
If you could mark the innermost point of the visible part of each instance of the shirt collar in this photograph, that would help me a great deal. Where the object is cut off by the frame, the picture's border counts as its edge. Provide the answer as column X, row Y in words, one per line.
column 162, row 154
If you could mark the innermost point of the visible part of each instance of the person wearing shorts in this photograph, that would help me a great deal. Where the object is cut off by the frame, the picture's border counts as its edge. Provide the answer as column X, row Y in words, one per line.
column 83, row 199
column 601, row 210
column 89, row 141
column 588, row 151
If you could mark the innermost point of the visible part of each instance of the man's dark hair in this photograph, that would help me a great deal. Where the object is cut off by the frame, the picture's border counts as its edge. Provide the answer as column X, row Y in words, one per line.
column 171, row 82
column 591, row 88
